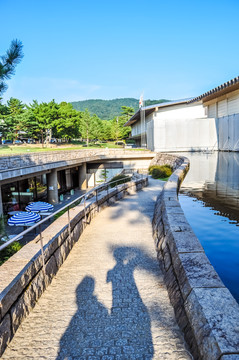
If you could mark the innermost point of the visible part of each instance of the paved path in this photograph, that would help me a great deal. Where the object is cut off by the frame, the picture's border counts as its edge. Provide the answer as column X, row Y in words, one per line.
column 108, row 300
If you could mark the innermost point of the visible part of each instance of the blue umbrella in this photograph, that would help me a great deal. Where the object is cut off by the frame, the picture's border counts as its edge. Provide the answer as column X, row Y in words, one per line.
column 39, row 206
column 23, row 219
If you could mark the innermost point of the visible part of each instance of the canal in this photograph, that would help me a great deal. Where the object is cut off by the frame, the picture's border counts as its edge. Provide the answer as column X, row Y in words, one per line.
column 209, row 197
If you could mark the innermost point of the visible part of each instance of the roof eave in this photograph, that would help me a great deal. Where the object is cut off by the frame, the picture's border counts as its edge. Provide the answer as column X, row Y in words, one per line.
column 218, row 91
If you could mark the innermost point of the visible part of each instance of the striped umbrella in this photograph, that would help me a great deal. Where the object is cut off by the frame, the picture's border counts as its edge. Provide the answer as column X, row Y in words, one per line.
column 23, row 219
column 39, row 206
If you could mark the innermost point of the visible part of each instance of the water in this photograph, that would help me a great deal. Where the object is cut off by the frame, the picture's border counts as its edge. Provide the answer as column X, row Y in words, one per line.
column 209, row 197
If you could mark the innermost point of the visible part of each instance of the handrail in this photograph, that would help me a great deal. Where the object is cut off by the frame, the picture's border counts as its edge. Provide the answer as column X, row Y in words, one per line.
column 67, row 207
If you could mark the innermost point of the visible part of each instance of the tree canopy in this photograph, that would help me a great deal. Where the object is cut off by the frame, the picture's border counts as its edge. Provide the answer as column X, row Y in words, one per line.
column 43, row 121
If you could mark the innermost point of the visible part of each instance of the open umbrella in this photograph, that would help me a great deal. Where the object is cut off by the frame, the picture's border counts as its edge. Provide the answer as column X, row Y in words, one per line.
column 24, row 219
column 39, row 206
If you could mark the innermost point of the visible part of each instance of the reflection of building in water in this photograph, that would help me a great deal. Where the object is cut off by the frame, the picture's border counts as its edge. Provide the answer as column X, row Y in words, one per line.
column 214, row 178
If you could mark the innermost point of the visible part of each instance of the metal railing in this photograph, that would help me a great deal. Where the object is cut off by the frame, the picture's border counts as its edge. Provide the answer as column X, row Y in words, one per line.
column 92, row 193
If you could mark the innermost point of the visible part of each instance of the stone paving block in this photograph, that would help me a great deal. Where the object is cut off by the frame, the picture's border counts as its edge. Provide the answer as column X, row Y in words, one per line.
column 230, row 357
column 214, row 330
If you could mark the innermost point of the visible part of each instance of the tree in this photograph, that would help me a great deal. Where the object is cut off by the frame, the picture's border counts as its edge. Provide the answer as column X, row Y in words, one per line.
column 87, row 126
column 68, row 123
column 11, row 124
column 8, row 63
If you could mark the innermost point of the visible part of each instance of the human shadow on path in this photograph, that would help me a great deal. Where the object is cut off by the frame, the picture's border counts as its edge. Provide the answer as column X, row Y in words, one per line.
column 87, row 327
column 125, row 332
column 129, row 314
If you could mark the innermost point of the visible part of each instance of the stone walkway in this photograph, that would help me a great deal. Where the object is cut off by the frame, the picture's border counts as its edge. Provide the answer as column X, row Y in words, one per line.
column 108, row 300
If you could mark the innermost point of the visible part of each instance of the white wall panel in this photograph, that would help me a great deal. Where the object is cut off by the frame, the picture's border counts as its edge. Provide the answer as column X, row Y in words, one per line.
column 233, row 105
column 222, row 108
column 212, row 111
column 186, row 135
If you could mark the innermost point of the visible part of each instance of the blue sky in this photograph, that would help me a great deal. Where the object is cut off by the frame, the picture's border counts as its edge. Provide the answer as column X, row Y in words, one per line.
column 76, row 50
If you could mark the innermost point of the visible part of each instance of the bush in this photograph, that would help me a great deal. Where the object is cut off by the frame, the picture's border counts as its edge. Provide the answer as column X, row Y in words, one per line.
column 6, row 253
column 160, row 171
column 121, row 179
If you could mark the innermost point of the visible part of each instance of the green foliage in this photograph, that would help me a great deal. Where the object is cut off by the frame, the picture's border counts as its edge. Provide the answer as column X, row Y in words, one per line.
column 8, row 63
column 6, row 253
column 104, row 175
column 160, row 171
column 109, row 109
column 119, row 179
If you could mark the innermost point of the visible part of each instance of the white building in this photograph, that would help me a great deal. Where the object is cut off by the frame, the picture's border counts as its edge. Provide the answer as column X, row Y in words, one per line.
column 207, row 122
column 222, row 105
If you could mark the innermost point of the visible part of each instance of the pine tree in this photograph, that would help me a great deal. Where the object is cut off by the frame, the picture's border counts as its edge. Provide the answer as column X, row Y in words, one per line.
column 8, row 63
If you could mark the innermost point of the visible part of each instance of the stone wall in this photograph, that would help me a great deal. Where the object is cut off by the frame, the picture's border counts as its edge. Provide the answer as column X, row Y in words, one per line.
column 42, row 158
column 205, row 309
column 22, row 279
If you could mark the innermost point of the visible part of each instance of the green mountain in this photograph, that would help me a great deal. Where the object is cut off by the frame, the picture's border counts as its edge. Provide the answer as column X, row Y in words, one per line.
column 108, row 109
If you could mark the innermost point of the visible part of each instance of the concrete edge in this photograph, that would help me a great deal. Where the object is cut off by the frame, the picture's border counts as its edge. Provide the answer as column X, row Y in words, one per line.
column 205, row 309
column 26, row 279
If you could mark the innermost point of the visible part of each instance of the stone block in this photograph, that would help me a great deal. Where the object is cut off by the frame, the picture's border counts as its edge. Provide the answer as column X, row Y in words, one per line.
column 167, row 258
column 60, row 256
column 51, row 270
column 174, row 209
column 193, row 270
column 171, row 186
column 230, row 357
column 38, row 284
column 22, row 307
column 112, row 200
column 170, row 195
column 120, row 195
column 171, row 219
column 214, row 317
column 5, row 333
column 16, row 285
column 181, row 239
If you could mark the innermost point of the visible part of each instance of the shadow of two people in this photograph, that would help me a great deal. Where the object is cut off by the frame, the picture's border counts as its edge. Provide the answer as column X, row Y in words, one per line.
column 126, row 330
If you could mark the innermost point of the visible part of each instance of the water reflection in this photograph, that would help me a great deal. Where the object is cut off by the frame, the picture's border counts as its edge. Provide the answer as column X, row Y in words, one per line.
column 214, row 179
column 212, row 188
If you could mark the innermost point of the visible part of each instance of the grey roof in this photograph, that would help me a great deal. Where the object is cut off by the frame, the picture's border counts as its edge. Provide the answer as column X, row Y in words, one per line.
column 149, row 109
column 219, row 90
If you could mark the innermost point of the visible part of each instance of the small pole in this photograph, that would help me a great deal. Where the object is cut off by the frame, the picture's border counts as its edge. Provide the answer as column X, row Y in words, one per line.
column 107, row 189
column 85, row 220
column 96, row 197
column 42, row 252
column 69, row 223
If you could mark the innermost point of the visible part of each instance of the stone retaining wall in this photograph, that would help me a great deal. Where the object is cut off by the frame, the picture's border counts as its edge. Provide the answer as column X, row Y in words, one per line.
column 22, row 279
column 205, row 309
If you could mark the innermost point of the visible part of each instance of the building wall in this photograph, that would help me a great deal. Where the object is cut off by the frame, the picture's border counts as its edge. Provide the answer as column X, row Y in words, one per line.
column 181, row 128
column 225, row 112
column 185, row 135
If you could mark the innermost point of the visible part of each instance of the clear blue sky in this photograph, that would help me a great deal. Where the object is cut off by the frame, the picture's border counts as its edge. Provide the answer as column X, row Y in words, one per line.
column 79, row 49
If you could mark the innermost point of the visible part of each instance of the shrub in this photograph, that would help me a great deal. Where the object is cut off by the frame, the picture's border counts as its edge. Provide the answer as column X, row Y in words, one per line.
column 121, row 179
column 160, row 171
column 6, row 253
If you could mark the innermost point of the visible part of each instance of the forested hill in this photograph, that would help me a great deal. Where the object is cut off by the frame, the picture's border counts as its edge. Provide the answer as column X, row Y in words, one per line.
column 108, row 109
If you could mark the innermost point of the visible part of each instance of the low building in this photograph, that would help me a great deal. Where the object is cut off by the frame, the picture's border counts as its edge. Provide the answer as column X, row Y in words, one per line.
column 207, row 122
column 222, row 105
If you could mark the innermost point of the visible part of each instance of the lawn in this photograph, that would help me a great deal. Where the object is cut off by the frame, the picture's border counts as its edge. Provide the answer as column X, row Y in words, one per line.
column 21, row 149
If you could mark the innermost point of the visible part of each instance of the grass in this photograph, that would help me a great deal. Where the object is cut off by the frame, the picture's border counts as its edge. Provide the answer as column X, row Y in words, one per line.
column 22, row 149
column 164, row 179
